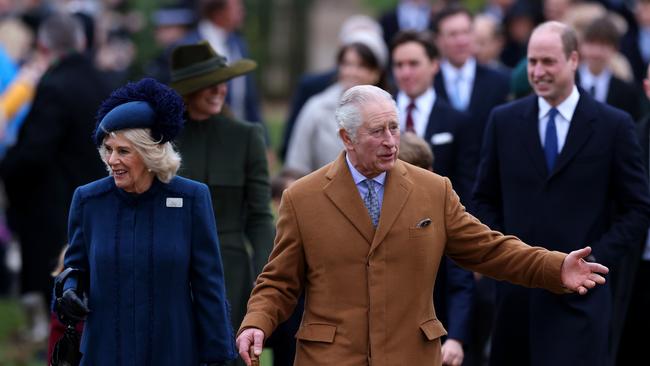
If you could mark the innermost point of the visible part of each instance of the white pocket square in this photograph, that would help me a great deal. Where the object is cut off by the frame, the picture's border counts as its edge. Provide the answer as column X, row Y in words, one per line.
column 442, row 138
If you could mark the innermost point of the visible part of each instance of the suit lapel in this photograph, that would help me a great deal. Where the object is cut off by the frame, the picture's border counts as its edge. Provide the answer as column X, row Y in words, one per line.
column 529, row 124
column 579, row 132
column 396, row 192
column 437, row 114
column 342, row 191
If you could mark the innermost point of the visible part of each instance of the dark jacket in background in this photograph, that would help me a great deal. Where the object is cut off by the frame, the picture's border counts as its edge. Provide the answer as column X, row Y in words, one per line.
column 229, row 156
column 54, row 154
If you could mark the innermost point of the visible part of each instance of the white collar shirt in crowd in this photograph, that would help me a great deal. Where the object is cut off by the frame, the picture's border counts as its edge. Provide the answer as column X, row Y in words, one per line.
column 596, row 85
column 420, row 114
column 459, row 82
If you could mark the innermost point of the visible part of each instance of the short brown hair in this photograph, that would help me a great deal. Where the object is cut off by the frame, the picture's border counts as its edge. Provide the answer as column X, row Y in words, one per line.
column 602, row 30
column 424, row 39
column 414, row 150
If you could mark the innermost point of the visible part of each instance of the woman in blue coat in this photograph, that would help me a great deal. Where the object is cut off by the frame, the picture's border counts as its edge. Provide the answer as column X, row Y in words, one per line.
column 147, row 240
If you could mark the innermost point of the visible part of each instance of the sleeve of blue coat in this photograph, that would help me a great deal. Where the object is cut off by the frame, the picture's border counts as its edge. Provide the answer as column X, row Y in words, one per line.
column 76, row 255
column 212, row 312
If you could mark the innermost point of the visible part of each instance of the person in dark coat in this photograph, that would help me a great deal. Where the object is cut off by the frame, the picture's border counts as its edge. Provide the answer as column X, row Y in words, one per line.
column 560, row 170
column 53, row 154
column 598, row 47
column 147, row 241
column 228, row 155
column 632, row 346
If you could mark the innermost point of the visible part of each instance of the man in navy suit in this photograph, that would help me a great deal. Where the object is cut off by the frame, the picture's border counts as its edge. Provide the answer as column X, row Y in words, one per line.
column 560, row 170
column 415, row 63
column 467, row 85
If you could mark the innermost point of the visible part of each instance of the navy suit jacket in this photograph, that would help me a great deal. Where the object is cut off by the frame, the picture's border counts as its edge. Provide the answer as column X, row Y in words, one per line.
column 597, row 195
column 449, row 133
column 491, row 88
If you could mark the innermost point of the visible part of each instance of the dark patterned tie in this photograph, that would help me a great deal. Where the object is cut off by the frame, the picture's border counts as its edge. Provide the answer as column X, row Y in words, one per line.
column 372, row 201
column 410, row 126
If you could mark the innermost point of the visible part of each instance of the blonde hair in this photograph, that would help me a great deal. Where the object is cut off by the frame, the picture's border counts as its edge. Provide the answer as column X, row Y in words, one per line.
column 161, row 159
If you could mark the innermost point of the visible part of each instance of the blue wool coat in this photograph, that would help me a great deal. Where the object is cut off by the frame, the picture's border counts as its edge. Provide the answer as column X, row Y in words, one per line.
column 156, row 289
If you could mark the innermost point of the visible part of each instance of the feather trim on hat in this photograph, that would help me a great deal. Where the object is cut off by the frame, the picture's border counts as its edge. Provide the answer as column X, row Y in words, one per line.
column 166, row 103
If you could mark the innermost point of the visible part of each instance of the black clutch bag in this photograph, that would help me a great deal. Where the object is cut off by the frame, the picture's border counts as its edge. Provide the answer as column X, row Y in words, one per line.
column 66, row 350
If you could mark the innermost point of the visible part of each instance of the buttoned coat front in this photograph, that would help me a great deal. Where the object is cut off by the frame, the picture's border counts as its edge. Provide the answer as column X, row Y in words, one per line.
column 368, row 293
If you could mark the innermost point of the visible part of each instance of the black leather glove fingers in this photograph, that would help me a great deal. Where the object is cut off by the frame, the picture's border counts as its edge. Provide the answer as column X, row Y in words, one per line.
column 72, row 307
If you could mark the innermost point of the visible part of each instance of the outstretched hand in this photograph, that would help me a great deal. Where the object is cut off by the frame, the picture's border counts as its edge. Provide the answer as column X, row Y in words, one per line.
column 579, row 275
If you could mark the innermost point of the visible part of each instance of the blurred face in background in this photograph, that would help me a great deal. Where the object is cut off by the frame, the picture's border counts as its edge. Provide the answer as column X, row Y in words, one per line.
column 231, row 16
column 556, row 9
column 596, row 55
column 488, row 44
column 206, row 102
column 642, row 12
column 455, row 39
column 413, row 70
column 354, row 70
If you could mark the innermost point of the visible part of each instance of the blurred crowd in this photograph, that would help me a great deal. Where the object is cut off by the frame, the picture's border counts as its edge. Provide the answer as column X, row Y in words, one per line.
column 446, row 66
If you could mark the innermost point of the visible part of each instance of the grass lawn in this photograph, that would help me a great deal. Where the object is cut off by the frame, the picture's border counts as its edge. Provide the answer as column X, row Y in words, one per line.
column 13, row 350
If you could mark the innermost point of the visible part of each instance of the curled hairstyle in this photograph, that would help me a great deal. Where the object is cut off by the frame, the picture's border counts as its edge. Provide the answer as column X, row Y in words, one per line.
column 348, row 112
column 62, row 33
column 161, row 159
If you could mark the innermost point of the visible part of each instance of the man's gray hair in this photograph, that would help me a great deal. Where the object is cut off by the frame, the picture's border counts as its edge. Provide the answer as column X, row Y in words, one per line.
column 62, row 33
column 348, row 112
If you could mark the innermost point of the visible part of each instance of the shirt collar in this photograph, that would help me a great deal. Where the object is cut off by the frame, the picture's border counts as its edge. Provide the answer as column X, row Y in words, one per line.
column 358, row 177
column 467, row 71
column 565, row 109
column 424, row 102
column 589, row 79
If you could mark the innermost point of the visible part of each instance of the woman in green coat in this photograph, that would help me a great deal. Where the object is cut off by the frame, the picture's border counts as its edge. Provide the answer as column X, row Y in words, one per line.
column 230, row 157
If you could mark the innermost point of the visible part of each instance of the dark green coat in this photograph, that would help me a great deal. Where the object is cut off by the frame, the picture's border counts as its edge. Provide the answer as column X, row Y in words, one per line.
column 229, row 156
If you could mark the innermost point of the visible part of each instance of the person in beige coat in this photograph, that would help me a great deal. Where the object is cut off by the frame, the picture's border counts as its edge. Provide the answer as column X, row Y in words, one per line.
column 363, row 237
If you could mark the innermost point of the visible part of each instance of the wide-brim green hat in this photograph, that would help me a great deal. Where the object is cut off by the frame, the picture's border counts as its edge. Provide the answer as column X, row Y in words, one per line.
column 198, row 66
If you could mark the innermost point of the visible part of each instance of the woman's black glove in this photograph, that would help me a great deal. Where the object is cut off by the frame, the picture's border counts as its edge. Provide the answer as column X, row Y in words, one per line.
column 71, row 309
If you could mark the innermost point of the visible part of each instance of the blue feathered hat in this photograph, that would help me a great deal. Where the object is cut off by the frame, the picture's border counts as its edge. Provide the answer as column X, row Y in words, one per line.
column 143, row 104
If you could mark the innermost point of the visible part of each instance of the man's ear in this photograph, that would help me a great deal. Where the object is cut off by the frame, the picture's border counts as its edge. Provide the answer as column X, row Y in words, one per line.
column 347, row 141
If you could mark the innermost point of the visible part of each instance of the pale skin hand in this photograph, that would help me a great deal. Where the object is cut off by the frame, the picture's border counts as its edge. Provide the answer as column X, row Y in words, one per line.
column 250, row 337
column 452, row 353
column 579, row 275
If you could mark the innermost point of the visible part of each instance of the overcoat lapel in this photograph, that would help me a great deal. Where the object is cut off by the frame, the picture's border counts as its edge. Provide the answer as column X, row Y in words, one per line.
column 530, row 137
column 396, row 193
column 342, row 191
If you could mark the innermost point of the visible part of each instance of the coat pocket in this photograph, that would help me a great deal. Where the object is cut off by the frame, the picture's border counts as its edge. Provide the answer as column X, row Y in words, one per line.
column 433, row 329
column 317, row 332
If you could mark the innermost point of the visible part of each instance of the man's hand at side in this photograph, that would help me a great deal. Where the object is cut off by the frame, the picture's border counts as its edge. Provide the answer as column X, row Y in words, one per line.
column 250, row 337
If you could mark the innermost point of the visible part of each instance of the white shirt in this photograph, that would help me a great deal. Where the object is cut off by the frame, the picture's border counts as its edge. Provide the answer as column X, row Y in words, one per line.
column 459, row 81
column 413, row 16
column 562, row 119
column 600, row 83
column 362, row 187
column 420, row 114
